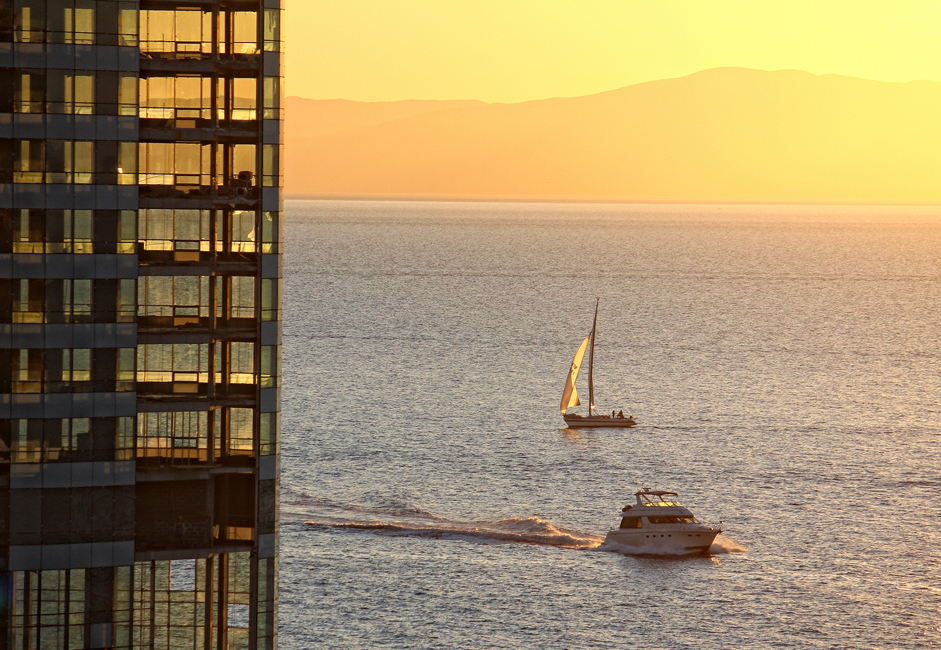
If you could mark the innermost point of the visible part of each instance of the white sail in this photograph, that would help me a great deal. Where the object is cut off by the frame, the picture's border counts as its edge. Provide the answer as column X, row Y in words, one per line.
column 569, row 394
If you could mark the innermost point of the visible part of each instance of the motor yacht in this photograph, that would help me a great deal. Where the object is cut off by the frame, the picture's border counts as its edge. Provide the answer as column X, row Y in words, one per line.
column 659, row 523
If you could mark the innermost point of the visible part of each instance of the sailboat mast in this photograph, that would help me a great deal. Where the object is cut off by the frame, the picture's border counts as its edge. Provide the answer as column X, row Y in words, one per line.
column 591, row 360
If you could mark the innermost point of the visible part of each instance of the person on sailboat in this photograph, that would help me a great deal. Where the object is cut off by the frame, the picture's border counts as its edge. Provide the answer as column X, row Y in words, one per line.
column 621, row 414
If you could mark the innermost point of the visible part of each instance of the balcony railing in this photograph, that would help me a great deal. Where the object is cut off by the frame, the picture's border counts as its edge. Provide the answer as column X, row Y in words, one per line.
column 202, row 49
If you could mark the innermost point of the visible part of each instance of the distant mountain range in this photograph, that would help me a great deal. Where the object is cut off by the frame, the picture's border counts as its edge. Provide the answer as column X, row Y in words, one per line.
column 728, row 134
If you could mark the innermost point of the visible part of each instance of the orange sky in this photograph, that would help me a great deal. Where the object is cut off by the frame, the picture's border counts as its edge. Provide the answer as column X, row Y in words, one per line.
column 517, row 50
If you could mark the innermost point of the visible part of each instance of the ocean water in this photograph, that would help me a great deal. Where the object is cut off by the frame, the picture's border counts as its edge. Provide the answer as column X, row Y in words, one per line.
column 783, row 364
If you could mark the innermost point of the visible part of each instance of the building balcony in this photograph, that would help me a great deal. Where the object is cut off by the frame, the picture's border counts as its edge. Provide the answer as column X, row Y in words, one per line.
column 156, row 396
column 230, row 5
column 194, row 329
column 174, row 462
column 195, row 262
column 198, row 130
column 197, row 61
column 188, row 191
column 194, row 507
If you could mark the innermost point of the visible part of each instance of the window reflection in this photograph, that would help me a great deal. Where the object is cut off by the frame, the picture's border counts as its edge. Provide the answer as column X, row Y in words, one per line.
column 195, row 234
column 179, row 164
column 80, row 162
column 171, row 301
column 171, row 230
column 71, row 231
column 68, row 300
column 189, row 33
column 82, row 92
column 68, row 370
column 176, row 98
column 183, row 362
column 181, row 437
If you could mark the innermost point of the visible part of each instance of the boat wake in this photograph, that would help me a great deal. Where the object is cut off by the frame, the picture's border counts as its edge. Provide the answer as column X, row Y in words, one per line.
column 399, row 519
column 330, row 511
column 528, row 530
column 725, row 545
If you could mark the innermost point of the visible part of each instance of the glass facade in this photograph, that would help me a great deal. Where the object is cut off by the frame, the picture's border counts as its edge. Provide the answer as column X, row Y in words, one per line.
column 140, row 306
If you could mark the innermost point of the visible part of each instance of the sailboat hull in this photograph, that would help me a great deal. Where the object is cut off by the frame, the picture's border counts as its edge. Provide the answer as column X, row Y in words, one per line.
column 598, row 421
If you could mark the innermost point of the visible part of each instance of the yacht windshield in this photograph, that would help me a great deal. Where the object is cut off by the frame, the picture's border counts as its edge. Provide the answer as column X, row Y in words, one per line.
column 670, row 520
column 664, row 499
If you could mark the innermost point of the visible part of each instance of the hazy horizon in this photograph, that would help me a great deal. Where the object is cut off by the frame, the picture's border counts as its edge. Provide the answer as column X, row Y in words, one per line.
column 599, row 92
column 724, row 135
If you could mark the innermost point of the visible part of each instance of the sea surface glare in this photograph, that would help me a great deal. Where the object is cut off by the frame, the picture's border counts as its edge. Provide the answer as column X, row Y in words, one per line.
column 783, row 364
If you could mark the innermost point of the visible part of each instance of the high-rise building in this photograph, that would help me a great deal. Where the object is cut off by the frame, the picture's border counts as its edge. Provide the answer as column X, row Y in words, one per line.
column 140, row 266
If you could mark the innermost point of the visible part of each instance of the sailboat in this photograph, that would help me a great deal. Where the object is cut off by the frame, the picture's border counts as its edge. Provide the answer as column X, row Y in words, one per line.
column 570, row 395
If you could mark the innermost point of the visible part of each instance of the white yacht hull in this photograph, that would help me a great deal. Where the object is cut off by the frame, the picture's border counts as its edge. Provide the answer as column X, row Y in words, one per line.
column 674, row 540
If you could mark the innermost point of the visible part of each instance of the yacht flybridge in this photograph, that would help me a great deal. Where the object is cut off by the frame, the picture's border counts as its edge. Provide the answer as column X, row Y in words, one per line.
column 658, row 523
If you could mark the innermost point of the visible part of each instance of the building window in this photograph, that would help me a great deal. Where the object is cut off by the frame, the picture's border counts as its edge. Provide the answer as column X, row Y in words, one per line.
column 171, row 300
column 30, row 21
column 176, row 362
column 271, row 165
column 28, row 301
column 127, row 301
column 54, row 161
column 176, row 34
column 29, row 230
column 52, row 231
column 65, row 368
column 77, row 231
column 272, row 30
column 76, row 301
column 242, row 298
column 48, row 609
column 176, row 98
column 70, row 370
column 272, row 98
column 29, row 92
column 270, row 231
column 124, row 443
column 49, row 440
column 176, row 437
column 70, row 23
column 126, row 370
column 174, row 230
column 76, row 365
column 27, row 370
column 242, row 37
column 178, row 164
column 241, row 363
column 68, row 440
column 29, row 161
column 241, row 428
column 270, row 299
column 270, row 436
column 243, row 231
column 244, row 102
column 270, row 366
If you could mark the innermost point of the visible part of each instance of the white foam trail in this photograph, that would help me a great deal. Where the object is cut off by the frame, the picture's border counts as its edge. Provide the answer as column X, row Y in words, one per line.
column 528, row 530
column 726, row 545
